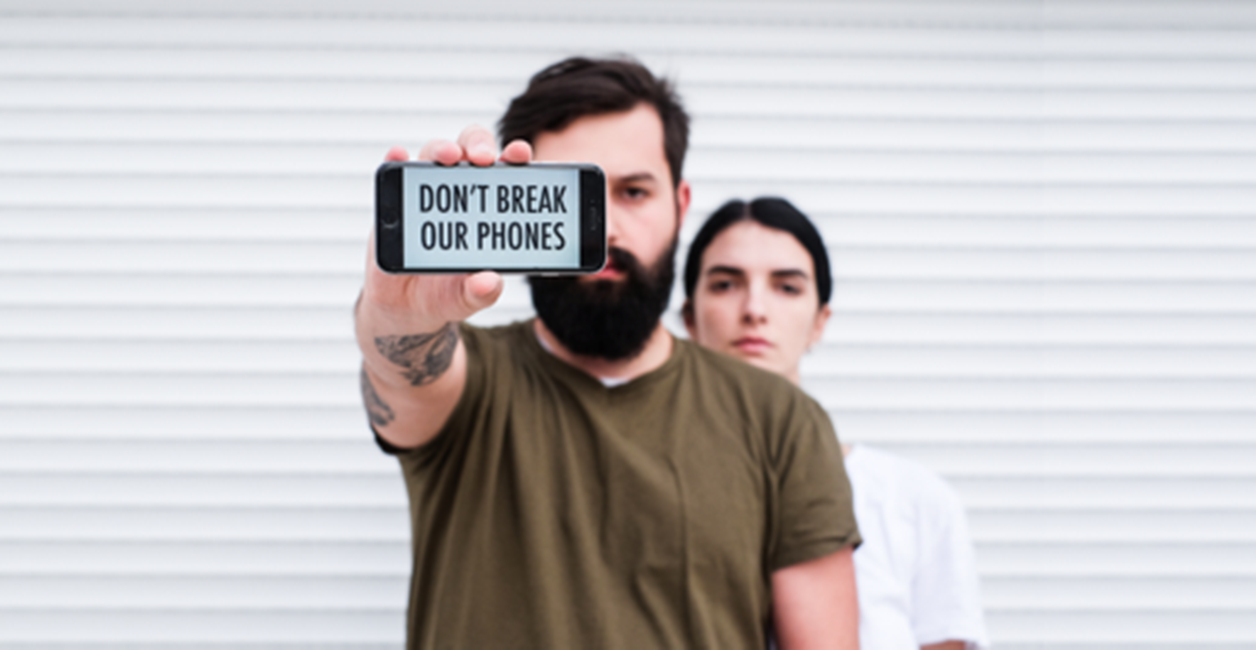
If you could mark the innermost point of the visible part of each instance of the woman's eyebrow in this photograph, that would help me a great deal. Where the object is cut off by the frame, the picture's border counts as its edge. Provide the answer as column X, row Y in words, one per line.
column 790, row 273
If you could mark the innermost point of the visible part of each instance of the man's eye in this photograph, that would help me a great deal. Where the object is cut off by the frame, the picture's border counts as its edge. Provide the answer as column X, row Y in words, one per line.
column 635, row 193
column 720, row 286
column 791, row 289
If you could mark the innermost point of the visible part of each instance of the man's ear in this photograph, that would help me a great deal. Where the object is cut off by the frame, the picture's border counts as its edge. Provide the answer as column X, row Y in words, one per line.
column 684, row 194
column 686, row 314
column 817, row 328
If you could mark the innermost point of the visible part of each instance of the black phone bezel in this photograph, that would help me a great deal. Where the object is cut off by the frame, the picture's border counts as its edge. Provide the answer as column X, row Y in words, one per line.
column 389, row 220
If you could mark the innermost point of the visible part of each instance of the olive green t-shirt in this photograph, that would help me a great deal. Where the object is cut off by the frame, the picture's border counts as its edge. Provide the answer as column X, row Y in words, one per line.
column 553, row 512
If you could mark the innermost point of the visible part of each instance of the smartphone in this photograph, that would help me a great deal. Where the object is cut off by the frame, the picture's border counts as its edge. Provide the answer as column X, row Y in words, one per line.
column 536, row 218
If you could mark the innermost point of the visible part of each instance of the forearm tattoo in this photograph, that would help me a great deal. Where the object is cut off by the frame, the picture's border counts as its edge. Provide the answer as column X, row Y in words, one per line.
column 377, row 410
column 424, row 357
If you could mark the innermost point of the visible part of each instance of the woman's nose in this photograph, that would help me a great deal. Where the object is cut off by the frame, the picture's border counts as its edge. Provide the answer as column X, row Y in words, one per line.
column 753, row 309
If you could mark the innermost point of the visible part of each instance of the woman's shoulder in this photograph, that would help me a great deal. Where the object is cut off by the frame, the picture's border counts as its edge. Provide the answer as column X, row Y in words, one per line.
column 910, row 479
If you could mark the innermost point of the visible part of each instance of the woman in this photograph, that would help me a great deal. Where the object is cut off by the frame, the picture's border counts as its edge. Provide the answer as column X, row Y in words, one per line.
column 757, row 287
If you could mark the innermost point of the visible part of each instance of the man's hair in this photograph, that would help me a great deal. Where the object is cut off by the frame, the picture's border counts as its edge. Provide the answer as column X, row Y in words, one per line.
column 771, row 212
column 579, row 87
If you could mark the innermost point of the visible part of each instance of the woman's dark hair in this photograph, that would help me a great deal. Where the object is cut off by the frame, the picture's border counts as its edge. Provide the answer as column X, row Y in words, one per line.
column 771, row 212
column 578, row 87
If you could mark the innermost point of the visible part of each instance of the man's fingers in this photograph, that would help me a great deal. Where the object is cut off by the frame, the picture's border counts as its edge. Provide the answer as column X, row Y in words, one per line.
column 478, row 145
column 397, row 154
column 475, row 144
column 517, row 152
column 441, row 151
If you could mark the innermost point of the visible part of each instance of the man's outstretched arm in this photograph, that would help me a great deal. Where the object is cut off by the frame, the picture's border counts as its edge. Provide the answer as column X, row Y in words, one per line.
column 414, row 364
column 815, row 605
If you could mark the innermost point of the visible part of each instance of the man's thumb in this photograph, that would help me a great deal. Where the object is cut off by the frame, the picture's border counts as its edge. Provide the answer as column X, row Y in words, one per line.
column 482, row 289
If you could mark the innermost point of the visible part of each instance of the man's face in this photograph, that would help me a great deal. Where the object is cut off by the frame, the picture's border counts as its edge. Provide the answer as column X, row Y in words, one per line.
column 644, row 210
column 611, row 314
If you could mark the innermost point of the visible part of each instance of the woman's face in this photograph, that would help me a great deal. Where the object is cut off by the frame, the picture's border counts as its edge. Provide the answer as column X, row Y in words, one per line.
column 756, row 298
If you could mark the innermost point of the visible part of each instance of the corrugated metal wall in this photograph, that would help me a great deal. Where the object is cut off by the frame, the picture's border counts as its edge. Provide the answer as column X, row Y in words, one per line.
column 1043, row 218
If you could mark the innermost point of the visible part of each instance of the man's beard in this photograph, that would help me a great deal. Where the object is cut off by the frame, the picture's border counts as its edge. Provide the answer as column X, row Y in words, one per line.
column 606, row 319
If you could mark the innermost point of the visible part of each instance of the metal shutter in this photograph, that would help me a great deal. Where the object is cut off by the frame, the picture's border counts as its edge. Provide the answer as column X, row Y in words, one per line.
column 1042, row 215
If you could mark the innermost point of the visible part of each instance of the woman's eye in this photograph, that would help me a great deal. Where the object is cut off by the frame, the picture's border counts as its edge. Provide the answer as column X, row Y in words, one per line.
column 791, row 289
column 720, row 286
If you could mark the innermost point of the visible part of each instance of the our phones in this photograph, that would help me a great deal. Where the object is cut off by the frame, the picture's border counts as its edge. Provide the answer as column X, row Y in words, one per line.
column 536, row 218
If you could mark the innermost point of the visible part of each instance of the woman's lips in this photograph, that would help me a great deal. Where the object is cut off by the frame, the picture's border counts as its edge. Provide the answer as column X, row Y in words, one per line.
column 752, row 345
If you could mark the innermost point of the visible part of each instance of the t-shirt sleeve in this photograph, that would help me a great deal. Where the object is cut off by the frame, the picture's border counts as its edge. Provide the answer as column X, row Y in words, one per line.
column 946, row 598
column 815, row 514
column 468, row 403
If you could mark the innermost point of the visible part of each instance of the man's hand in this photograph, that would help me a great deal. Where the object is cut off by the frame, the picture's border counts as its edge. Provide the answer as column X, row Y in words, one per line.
column 414, row 363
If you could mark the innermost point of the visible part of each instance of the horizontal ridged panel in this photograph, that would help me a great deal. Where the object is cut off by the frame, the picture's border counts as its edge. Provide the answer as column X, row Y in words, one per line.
column 965, row 36
column 1117, row 525
column 349, row 457
column 203, row 593
column 324, row 389
column 351, row 192
column 889, row 425
column 885, row 229
column 1040, row 215
column 951, row 284
column 155, row 558
column 1147, row 628
column 233, row 628
column 283, row 95
column 776, row 164
column 325, row 523
column 234, row 487
column 388, row 125
column 1136, row 487
column 380, row 593
column 827, row 360
column 358, row 459
column 984, row 327
column 308, row 558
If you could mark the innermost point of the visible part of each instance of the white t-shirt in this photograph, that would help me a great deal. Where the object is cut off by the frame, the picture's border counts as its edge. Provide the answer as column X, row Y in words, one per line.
column 915, row 570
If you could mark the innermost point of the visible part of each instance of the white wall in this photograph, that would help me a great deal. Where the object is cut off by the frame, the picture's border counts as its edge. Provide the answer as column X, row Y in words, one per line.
column 1043, row 219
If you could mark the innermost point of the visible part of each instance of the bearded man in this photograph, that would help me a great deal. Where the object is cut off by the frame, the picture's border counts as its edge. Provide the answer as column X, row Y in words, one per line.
column 583, row 479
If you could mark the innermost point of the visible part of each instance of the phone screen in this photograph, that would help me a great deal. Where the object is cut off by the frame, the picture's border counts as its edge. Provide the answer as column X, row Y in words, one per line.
column 519, row 218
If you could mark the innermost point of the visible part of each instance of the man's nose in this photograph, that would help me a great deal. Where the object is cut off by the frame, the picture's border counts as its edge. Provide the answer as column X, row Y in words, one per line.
column 613, row 221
